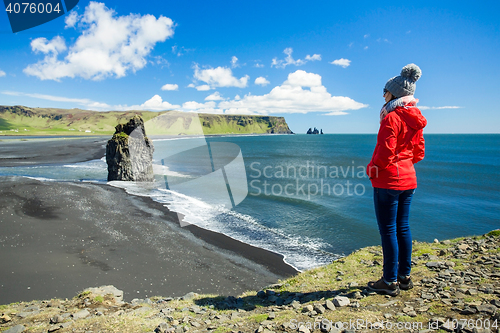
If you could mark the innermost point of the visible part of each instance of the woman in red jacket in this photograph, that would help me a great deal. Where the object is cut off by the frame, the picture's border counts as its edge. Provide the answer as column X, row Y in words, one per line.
column 400, row 144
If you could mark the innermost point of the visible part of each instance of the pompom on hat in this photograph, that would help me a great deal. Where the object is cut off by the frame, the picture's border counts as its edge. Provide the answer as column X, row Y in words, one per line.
column 404, row 85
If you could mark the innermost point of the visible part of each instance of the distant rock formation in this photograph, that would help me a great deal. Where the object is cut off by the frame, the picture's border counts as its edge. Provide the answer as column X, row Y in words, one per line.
column 129, row 154
column 315, row 131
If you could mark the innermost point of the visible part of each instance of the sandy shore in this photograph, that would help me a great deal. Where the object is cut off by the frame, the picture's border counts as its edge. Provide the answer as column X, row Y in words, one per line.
column 21, row 152
column 57, row 238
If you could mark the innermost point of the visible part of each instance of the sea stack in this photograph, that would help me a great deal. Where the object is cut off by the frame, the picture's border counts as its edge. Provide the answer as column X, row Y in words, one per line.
column 129, row 153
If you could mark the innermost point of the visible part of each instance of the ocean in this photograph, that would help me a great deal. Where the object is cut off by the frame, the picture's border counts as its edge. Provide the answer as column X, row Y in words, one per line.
column 308, row 197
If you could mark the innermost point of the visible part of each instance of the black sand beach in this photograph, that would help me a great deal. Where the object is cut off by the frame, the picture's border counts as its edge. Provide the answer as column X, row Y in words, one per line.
column 18, row 152
column 57, row 238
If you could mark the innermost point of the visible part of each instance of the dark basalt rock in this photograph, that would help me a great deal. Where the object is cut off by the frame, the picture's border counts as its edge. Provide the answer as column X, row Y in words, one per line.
column 129, row 154
column 315, row 131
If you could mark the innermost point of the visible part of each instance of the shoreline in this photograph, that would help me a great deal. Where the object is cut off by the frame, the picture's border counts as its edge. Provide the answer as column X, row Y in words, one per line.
column 60, row 237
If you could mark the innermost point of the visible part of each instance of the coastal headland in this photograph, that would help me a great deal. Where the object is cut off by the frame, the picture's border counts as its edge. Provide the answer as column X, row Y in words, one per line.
column 23, row 120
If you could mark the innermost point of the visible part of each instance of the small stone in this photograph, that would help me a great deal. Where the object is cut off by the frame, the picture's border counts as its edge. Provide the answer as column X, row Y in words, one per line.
column 463, row 247
column 356, row 295
column 189, row 296
column 295, row 304
column 450, row 263
column 436, row 241
column 15, row 329
column 468, row 311
column 388, row 304
column 261, row 294
column 271, row 316
column 340, row 301
column 433, row 264
column 54, row 328
column 472, row 291
column 487, row 308
column 307, row 308
column 5, row 319
column 266, row 323
column 161, row 328
column 56, row 319
column 81, row 314
column 319, row 308
column 303, row 329
column 329, row 305
column 408, row 309
column 427, row 296
column 117, row 294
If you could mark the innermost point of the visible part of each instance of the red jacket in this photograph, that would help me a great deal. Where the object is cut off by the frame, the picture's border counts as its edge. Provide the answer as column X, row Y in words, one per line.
column 400, row 144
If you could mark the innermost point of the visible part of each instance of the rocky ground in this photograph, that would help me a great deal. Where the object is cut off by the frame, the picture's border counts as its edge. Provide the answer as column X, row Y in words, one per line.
column 457, row 289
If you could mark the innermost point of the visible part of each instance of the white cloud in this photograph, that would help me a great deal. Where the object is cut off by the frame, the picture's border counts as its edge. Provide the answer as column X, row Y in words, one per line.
column 258, row 65
column 71, row 19
column 82, row 101
column 219, row 77
column 302, row 92
column 234, row 62
column 180, row 51
column 196, row 106
column 237, row 97
column 207, row 107
column 155, row 103
column 261, row 81
column 439, row 107
column 340, row 113
column 2, row 73
column 366, row 36
column 314, row 57
column 159, row 60
column 301, row 78
column 170, row 86
column 365, row 48
column 282, row 63
column 109, row 45
column 216, row 96
column 203, row 87
column 54, row 47
column 342, row 62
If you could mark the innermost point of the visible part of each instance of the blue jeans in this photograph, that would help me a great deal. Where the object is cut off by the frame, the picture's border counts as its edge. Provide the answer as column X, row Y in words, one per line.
column 392, row 209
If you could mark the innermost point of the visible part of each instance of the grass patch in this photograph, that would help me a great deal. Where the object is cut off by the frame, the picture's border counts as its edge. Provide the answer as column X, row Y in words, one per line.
column 494, row 233
column 258, row 317
column 98, row 299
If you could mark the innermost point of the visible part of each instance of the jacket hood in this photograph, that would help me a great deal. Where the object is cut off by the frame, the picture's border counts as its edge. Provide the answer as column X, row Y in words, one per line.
column 412, row 116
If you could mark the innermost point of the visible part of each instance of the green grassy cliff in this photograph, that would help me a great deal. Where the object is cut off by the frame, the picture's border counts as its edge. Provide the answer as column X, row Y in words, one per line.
column 21, row 120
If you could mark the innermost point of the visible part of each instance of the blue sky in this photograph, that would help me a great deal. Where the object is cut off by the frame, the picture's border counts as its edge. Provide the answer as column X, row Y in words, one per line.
column 317, row 63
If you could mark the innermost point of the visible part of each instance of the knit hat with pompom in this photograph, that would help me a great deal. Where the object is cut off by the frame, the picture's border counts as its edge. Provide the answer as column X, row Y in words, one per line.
column 404, row 85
